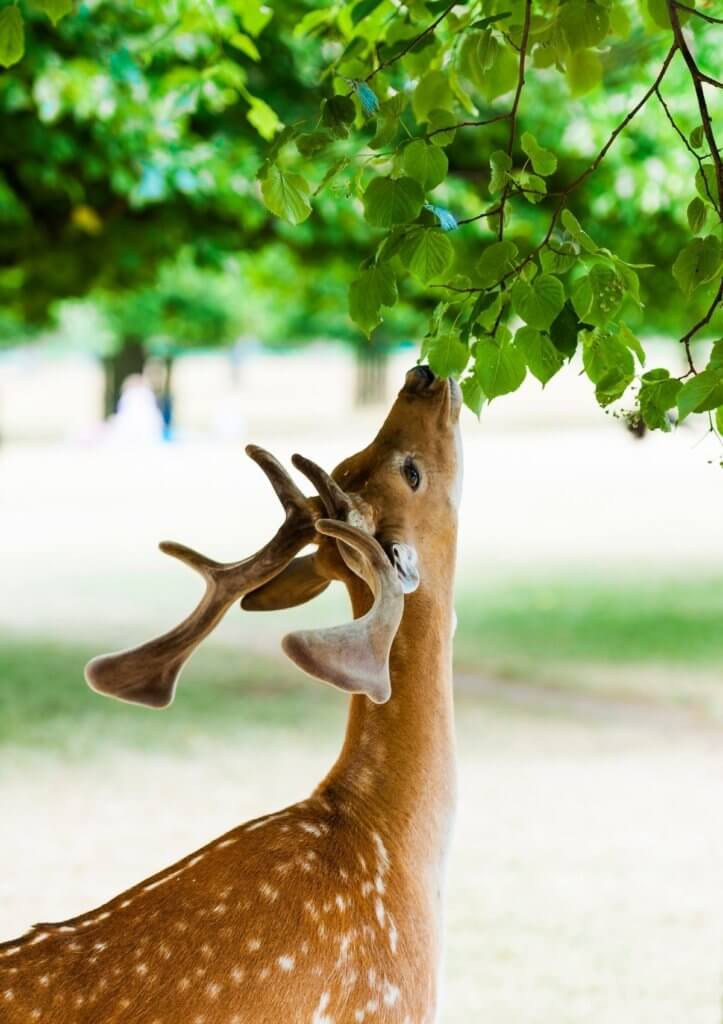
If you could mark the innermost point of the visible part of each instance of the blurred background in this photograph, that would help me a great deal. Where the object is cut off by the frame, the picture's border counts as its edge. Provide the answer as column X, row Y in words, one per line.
column 585, row 881
column 154, row 321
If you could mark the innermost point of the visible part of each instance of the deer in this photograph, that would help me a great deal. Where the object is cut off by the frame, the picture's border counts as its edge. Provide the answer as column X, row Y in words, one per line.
column 329, row 911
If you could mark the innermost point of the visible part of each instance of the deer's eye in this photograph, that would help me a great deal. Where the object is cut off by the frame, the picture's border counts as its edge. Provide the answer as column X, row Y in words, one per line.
column 411, row 473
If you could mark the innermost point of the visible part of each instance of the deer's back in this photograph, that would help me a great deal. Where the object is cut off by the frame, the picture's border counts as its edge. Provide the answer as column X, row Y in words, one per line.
column 304, row 916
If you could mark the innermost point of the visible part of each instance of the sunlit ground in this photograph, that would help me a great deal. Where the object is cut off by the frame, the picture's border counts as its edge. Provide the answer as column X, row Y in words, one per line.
column 586, row 881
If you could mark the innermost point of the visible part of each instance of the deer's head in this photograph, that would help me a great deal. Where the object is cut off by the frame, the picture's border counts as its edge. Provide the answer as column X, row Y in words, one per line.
column 384, row 523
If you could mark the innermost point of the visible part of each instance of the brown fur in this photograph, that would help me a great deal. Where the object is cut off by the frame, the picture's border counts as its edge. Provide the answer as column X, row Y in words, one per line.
column 328, row 912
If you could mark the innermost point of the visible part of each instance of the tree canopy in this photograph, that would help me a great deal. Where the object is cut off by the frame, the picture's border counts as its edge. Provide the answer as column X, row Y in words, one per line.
column 516, row 180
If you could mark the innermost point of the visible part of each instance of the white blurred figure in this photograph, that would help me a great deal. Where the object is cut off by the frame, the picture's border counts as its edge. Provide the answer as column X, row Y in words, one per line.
column 138, row 419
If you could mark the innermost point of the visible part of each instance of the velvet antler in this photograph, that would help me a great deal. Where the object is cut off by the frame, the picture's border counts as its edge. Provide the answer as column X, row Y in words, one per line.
column 148, row 674
column 355, row 656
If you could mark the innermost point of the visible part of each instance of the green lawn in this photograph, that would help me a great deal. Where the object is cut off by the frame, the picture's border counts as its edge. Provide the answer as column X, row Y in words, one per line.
column 630, row 622
column 659, row 641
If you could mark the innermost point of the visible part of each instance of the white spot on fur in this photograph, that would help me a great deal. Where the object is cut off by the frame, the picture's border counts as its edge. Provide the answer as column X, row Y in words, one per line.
column 313, row 830
column 286, row 963
column 379, row 911
column 268, row 892
column 265, row 821
column 224, row 843
column 320, row 1016
column 213, row 989
column 253, row 945
column 391, row 994
column 237, row 975
column 142, row 970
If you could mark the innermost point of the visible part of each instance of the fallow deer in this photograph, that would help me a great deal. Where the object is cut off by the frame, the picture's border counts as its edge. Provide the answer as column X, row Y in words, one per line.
column 329, row 911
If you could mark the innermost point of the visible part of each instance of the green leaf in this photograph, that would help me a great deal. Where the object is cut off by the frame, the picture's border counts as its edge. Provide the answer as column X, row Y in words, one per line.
column 245, row 44
column 473, row 395
column 582, row 23
column 376, row 287
column 696, row 137
column 715, row 360
column 499, row 366
column 363, row 9
column 286, row 194
column 497, row 260
column 697, row 263
column 311, row 143
column 584, row 72
column 658, row 393
column 502, row 75
column 538, row 303
column 598, row 296
column 500, row 166
column 12, row 36
column 447, row 354
column 385, row 133
column 535, row 188
column 433, row 92
column 425, row 163
column 55, row 9
column 311, row 20
column 336, row 113
column 630, row 341
column 608, row 364
column 705, row 183
column 558, row 257
column 426, row 252
column 437, row 119
column 491, row 19
column 701, row 393
column 564, row 330
column 543, row 161
column 719, row 419
column 263, row 118
column 477, row 55
column 541, row 356
column 696, row 213
column 389, row 201
column 574, row 229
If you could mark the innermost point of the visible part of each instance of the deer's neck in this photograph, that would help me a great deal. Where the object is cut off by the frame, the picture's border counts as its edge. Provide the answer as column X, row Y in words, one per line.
column 398, row 761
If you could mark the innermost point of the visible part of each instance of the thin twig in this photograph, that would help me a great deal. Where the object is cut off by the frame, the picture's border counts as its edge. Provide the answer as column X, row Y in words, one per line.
column 700, row 14
column 594, row 165
column 698, row 79
column 696, row 156
column 515, row 107
column 412, row 43
column 705, row 319
column 469, row 124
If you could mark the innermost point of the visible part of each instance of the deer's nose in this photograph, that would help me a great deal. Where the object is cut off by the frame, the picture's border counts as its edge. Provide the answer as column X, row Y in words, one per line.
column 419, row 378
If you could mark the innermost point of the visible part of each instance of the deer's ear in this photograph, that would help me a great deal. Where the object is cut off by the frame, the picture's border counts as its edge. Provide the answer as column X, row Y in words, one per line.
column 299, row 582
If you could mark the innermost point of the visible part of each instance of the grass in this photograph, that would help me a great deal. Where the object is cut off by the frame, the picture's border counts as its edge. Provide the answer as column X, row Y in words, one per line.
column 631, row 622
column 45, row 704
column 664, row 639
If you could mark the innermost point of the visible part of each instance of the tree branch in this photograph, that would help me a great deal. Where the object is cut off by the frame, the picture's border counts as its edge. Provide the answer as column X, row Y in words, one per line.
column 688, row 146
column 698, row 79
column 469, row 124
column 706, row 318
column 515, row 107
column 700, row 14
column 412, row 43
column 563, row 195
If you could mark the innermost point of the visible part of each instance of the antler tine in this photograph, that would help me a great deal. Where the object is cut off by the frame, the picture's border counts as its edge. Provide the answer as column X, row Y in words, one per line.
column 336, row 503
column 148, row 674
column 288, row 493
column 355, row 656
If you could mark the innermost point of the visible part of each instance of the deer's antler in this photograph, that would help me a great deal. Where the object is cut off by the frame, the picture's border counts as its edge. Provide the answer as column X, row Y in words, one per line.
column 355, row 656
column 148, row 674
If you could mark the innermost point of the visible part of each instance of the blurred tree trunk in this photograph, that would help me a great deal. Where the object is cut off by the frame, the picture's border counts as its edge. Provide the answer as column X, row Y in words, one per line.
column 129, row 359
column 371, row 376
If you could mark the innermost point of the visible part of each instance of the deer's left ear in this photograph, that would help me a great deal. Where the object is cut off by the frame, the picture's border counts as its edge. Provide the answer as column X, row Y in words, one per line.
column 404, row 560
